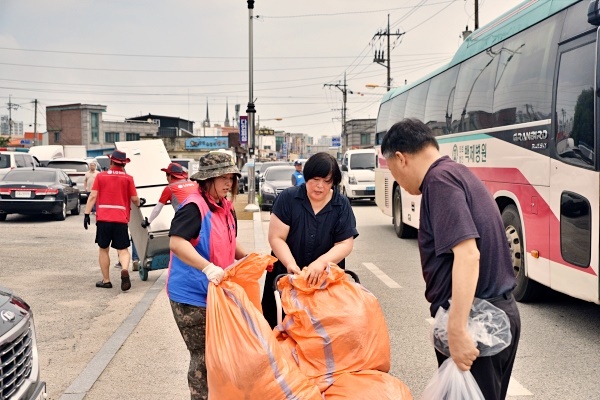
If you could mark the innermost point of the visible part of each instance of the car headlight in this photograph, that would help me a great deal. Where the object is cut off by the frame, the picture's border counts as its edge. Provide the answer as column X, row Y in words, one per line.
column 268, row 189
column 352, row 180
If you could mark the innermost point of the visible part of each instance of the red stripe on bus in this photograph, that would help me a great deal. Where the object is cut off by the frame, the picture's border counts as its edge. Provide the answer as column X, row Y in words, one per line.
column 543, row 227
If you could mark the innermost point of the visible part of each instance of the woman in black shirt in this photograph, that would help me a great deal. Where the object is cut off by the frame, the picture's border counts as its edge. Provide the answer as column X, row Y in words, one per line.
column 311, row 226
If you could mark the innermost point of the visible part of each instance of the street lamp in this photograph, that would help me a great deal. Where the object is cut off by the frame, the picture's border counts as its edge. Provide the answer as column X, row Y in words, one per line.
column 251, row 207
column 374, row 85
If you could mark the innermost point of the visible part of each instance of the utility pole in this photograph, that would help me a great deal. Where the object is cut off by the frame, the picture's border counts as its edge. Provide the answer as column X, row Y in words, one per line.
column 476, row 14
column 11, row 106
column 344, row 90
column 380, row 56
column 35, row 139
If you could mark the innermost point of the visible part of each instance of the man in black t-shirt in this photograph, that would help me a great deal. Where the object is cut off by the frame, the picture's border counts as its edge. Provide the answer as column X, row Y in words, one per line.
column 462, row 245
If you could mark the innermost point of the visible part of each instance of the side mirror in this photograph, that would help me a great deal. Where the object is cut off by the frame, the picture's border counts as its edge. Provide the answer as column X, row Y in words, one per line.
column 74, row 184
column 344, row 167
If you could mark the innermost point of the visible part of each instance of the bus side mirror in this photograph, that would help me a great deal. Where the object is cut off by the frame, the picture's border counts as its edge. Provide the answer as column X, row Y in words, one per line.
column 344, row 168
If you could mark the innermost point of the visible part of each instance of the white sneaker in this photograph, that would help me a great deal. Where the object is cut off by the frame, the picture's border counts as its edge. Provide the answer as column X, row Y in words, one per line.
column 118, row 265
column 136, row 265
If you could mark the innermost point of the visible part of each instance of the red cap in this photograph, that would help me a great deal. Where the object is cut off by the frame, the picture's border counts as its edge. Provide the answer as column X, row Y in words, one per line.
column 176, row 170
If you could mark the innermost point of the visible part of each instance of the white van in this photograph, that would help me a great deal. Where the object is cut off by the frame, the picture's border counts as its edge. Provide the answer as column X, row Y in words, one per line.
column 45, row 153
column 358, row 174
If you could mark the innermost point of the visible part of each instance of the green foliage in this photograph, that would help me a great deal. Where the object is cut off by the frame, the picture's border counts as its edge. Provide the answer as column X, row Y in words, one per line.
column 4, row 141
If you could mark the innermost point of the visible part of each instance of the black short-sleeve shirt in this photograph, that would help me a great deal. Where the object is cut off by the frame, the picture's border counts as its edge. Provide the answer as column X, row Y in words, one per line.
column 457, row 206
column 311, row 235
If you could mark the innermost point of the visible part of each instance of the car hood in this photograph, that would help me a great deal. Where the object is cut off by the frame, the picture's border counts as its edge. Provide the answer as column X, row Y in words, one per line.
column 12, row 310
column 363, row 174
column 279, row 184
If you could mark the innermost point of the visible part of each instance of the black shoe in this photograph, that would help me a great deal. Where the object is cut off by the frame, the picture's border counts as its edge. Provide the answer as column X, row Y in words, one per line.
column 125, row 281
column 104, row 285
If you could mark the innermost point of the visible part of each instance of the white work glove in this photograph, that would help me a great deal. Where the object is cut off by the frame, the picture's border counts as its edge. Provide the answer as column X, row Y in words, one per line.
column 214, row 273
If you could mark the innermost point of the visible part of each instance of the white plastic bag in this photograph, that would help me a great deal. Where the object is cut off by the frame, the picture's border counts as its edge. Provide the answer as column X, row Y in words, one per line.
column 487, row 325
column 450, row 383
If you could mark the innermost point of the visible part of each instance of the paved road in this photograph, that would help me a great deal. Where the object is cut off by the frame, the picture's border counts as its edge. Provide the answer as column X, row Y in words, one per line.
column 105, row 344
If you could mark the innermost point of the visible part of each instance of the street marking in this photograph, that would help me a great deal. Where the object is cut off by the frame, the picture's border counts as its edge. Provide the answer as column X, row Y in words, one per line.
column 514, row 387
column 382, row 276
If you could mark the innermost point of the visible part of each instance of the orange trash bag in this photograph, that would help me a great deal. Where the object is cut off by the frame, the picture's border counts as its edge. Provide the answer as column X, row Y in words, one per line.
column 246, row 273
column 337, row 326
column 368, row 385
column 243, row 358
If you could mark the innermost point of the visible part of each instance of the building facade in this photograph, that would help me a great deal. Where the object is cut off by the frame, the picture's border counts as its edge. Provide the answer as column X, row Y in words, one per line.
column 82, row 124
column 360, row 134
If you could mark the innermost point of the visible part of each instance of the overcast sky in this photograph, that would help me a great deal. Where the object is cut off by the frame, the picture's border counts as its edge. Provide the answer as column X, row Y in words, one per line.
column 172, row 57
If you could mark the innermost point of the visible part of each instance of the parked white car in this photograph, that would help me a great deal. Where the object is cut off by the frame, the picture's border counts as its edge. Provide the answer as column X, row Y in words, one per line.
column 15, row 159
column 76, row 169
column 358, row 174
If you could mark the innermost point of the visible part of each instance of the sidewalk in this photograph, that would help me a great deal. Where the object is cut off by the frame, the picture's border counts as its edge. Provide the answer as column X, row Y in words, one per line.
column 146, row 358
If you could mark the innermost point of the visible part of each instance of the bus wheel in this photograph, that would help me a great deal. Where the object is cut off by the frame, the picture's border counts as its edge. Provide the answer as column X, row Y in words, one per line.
column 403, row 231
column 527, row 289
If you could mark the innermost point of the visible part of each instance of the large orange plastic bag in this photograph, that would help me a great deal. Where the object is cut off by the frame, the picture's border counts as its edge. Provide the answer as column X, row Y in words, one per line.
column 337, row 324
column 368, row 385
column 246, row 273
column 243, row 358
column 450, row 383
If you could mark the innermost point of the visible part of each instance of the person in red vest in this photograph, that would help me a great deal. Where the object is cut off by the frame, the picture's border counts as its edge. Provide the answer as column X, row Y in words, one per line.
column 178, row 189
column 112, row 193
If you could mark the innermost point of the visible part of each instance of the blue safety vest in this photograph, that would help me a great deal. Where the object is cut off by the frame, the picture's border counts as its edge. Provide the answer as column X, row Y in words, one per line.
column 299, row 178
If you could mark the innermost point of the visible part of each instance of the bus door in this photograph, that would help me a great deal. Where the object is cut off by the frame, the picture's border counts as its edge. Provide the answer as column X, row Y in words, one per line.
column 574, row 178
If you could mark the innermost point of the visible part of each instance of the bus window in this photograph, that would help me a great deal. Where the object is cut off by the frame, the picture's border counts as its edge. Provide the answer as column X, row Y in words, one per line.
column 382, row 116
column 474, row 93
column 415, row 106
column 575, row 21
column 524, row 78
column 438, row 112
column 574, row 124
column 397, row 110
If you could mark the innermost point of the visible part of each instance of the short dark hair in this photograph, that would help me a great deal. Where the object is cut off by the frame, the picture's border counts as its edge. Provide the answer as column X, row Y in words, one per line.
column 407, row 136
column 321, row 165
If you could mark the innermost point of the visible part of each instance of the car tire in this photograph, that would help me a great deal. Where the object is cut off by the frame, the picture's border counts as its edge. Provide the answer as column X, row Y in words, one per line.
column 62, row 214
column 77, row 209
column 3, row 217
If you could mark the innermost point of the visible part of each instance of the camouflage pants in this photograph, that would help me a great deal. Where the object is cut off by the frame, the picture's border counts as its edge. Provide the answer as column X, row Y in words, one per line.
column 191, row 321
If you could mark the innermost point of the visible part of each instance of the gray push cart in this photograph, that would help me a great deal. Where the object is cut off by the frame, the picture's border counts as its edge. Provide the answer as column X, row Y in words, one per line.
column 152, row 243
column 278, row 295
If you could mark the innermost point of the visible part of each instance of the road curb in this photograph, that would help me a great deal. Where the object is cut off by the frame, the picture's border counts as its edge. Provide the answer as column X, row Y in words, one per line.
column 90, row 374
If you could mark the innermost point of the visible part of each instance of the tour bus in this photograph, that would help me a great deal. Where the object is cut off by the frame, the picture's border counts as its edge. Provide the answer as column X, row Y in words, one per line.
column 518, row 105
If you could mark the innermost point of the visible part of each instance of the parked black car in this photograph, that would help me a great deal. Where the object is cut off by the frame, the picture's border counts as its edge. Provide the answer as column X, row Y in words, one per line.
column 19, row 362
column 273, row 182
column 263, row 167
column 38, row 191
column 76, row 169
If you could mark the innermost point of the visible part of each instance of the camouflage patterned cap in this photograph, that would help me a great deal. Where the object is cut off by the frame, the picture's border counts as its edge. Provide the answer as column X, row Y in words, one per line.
column 213, row 165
